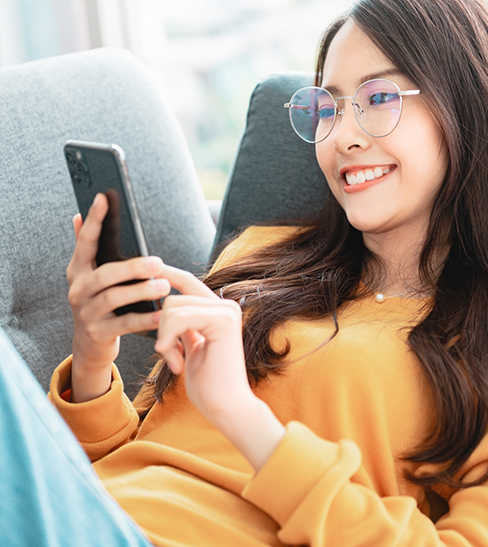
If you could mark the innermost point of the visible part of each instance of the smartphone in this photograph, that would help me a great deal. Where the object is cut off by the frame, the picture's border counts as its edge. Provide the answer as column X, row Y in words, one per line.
column 101, row 168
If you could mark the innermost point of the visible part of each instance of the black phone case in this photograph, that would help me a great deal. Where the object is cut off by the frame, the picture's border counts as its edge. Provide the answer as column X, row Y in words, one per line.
column 100, row 168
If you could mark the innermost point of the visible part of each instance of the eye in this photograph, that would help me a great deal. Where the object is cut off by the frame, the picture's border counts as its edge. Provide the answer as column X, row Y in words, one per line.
column 326, row 112
column 383, row 97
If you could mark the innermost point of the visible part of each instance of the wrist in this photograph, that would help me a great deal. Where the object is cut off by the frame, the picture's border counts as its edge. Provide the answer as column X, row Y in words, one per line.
column 253, row 429
column 89, row 383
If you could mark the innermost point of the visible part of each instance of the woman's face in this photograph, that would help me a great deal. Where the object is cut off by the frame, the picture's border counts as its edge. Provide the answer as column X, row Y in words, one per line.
column 414, row 155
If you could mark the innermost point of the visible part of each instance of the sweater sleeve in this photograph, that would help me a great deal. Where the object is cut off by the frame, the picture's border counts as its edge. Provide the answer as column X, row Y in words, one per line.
column 101, row 425
column 306, row 487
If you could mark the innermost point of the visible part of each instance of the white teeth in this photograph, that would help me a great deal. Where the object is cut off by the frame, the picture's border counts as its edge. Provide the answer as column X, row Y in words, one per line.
column 369, row 174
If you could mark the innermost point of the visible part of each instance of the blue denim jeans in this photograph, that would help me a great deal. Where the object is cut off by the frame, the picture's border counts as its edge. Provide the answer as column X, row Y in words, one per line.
column 49, row 493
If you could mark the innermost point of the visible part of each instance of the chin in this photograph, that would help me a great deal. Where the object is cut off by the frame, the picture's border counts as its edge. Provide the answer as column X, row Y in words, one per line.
column 363, row 224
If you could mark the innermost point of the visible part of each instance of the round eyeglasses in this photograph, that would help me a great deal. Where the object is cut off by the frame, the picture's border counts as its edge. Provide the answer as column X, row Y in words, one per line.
column 377, row 107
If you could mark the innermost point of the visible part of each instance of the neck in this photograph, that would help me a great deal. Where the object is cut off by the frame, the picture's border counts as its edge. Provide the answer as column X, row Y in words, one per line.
column 399, row 254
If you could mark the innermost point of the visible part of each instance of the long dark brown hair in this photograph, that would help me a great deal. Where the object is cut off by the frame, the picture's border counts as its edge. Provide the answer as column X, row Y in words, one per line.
column 442, row 47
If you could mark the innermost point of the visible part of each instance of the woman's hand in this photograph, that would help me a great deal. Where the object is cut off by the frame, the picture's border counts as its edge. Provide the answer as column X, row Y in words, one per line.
column 94, row 294
column 200, row 334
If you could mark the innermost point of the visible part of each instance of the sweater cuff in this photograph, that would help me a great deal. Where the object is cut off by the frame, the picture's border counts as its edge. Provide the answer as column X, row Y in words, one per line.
column 101, row 423
column 299, row 462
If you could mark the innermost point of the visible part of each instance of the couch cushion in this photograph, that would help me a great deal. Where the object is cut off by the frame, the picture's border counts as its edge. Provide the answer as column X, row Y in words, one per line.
column 275, row 174
column 105, row 96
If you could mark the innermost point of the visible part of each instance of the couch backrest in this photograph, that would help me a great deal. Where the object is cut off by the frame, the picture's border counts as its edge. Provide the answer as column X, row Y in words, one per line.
column 275, row 175
column 105, row 96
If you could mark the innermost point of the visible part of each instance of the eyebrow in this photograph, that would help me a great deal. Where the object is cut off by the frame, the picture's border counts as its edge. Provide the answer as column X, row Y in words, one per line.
column 334, row 90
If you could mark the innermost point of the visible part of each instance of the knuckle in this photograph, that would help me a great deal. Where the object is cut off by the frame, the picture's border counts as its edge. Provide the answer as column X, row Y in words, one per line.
column 170, row 314
column 69, row 272
column 93, row 332
column 99, row 276
column 108, row 299
column 137, row 268
column 125, row 321
column 234, row 307
column 74, row 295
column 149, row 290
column 128, row 321
column 84, row 316
column 235, row 311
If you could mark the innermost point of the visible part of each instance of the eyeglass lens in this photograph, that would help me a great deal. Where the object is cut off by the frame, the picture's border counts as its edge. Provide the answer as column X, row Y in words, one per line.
column 377, row 107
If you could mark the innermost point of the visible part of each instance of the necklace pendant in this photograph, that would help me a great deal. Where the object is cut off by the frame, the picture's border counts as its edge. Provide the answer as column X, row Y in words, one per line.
column 380, row 297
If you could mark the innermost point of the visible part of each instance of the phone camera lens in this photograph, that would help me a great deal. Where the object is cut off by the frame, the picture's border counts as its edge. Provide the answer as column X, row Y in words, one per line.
column 78, row 168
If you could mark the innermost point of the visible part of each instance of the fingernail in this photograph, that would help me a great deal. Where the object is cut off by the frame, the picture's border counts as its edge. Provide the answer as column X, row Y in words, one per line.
column 97, row 199
column 161, row 285
column 153, row 263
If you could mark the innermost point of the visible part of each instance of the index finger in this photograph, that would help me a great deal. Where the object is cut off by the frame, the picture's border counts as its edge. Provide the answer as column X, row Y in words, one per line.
column 87, row 238
column 77, row 224
column 185, row 282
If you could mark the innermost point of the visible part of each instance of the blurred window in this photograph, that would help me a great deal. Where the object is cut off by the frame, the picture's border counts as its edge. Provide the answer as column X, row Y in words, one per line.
column 206, row 55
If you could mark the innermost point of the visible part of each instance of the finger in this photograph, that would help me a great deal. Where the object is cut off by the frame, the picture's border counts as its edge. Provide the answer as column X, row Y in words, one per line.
column 121, row 295
column 175, row 360
column 87, row 241
column 186, row 283
column 114, row 273
column 77, row 224
column 119, row 325
column 181, row 300
column 210, row 322
column 189, row 339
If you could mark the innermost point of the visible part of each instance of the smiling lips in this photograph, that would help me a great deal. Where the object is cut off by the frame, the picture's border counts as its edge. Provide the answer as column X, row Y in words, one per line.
column 367, row 175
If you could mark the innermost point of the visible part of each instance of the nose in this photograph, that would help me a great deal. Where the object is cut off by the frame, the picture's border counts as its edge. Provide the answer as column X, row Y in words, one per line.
column 347, row 133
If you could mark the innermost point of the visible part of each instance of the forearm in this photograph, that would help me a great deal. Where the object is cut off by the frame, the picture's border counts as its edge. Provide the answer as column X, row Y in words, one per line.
column 88, row 384
column 253, row 429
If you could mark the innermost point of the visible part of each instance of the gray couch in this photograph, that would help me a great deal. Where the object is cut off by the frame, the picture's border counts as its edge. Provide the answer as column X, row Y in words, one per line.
column 106, row 95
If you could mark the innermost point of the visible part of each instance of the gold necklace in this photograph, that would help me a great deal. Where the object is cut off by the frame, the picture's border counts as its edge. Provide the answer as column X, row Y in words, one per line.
column 381, row 297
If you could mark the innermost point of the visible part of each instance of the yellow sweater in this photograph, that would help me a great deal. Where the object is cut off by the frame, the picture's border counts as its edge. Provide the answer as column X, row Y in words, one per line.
column 352, row 408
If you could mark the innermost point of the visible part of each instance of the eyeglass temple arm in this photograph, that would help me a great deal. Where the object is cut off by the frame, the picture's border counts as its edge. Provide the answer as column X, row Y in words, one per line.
column 299, row 106
column 411, row 92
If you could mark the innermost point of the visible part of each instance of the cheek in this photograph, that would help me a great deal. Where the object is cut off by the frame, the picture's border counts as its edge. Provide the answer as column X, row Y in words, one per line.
column 426, row 160
column 423, row 143
column 325, row 158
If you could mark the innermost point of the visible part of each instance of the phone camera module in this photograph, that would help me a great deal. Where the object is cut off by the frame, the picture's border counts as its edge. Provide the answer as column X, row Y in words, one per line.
column 78, row 168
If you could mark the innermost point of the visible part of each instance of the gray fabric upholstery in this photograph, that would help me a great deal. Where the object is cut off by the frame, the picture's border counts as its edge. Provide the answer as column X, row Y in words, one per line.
column 275, row 174
column 106, row 96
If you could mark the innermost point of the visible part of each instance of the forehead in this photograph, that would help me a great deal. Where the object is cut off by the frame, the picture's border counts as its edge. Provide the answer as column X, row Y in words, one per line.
column 351, row 56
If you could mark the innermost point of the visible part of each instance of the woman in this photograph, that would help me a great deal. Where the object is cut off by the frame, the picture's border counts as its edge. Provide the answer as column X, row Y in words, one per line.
column 354, row 408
